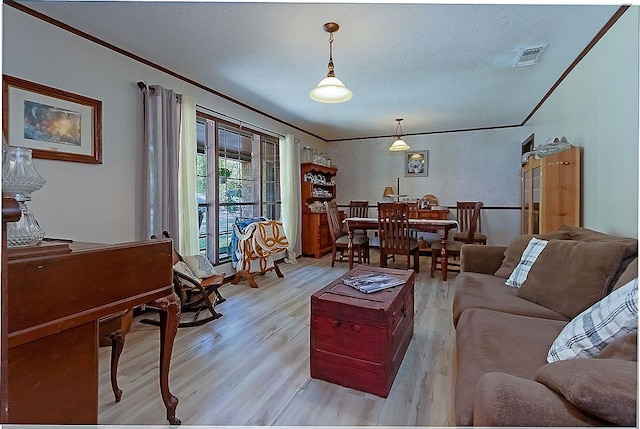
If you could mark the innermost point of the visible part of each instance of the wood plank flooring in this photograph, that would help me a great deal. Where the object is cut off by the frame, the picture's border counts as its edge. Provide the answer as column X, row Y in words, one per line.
column 251, row 367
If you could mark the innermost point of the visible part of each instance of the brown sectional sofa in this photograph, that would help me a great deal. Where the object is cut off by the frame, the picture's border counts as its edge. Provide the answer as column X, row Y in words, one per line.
column 503, row 334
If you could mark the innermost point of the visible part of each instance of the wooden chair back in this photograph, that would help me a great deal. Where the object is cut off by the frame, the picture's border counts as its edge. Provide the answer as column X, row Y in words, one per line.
column 359, row 209
column 175, row 256
column 413, row 209
column 393, row 228
column 333, row 218
column 469, row 218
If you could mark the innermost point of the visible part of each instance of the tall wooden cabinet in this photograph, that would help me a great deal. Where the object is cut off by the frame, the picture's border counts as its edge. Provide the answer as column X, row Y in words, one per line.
column 551, row 192
column 317, row 187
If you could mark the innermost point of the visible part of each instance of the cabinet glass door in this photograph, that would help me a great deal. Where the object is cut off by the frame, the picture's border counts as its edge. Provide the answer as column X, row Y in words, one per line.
column 526, row 201
column 530, row 204
column 535, row 197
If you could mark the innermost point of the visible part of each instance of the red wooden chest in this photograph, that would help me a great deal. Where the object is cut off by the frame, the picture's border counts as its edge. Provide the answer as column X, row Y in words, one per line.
column 358, row 340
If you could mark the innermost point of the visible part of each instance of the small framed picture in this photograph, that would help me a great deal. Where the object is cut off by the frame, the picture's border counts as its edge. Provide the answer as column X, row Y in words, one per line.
column 53, row 123
column 416, row 163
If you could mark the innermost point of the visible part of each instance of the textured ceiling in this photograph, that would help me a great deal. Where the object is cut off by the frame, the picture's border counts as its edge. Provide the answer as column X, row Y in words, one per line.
column 441, row 67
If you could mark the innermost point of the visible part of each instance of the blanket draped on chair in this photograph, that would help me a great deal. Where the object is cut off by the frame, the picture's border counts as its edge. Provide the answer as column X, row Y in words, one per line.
column 257, row 243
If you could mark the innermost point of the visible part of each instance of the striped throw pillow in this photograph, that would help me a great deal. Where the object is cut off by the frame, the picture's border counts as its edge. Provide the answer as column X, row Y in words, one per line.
column 599, row 325
column 529, row 256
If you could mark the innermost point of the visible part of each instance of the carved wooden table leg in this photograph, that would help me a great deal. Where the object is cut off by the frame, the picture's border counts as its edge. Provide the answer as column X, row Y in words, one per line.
column 117, row 344
column 169, row 307
column 443, row 253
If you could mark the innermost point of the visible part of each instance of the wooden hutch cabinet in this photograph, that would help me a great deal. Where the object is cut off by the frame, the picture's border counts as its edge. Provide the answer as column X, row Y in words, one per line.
column 317, row 187
column 551, row 192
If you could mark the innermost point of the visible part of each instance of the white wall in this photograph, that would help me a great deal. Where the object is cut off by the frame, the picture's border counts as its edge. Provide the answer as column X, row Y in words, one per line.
column 596, row 107
column 98, row 203
column 463, row 166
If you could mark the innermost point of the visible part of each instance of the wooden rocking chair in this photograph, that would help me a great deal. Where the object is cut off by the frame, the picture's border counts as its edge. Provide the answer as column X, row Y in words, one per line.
column 196, row 293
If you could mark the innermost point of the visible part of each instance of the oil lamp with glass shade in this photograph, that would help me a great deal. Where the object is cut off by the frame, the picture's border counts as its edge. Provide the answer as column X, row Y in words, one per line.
column 19, row 180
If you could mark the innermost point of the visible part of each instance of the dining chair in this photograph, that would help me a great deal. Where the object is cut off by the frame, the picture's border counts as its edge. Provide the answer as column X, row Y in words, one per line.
column 340, row 240
column 358, row 209
column 455, row 246
column 395, row 235
column 413, row 206
column 466, row 213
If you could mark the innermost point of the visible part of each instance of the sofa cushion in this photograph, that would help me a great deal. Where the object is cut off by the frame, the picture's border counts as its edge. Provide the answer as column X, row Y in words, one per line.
column 490, row 341
column 582, row 381
column 598, row 326
column 528, row 258
column 629, row 273
column 570, row 276
column 590, row 236
column 578, row 233
column 475, row 290
column 513, row 253
column 505, row 400
column 625, row 348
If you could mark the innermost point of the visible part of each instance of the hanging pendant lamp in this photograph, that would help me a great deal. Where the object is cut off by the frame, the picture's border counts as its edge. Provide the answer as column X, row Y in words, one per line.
column 331, row 89
column 399, row 144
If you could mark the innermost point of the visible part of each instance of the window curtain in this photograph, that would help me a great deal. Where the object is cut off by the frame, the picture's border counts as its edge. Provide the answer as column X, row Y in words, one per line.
column 161, row 137
column 290, row 193
column 188, row 204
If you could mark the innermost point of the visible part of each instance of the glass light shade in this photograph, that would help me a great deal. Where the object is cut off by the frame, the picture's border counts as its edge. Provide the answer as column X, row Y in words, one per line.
column 19, row 180
column 399, row 145
column 331, row 90
column 19, row 175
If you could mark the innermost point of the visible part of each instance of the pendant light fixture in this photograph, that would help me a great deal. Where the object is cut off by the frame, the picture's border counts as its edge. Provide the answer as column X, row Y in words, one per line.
column 399, row 144
column 331, row 89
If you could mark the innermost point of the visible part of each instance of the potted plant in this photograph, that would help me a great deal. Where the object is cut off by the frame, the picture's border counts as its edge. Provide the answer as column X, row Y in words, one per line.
column 224, row 174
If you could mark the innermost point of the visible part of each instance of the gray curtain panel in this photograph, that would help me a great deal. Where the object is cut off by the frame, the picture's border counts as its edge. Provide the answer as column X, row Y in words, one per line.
column 161, row 140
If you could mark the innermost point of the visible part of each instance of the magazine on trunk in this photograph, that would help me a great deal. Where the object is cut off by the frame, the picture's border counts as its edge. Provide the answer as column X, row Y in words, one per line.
column 372, row 282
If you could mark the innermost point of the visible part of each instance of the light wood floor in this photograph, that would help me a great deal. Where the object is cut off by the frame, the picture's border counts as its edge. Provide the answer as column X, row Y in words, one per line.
column 251, row 367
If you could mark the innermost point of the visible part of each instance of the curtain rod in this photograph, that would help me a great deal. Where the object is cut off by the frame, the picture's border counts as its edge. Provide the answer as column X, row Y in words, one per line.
column 240, row 121
column 142, row 85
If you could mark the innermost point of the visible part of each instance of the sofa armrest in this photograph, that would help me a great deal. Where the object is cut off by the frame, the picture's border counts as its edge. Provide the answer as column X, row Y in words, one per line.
column 481, row 259
column 505, row 400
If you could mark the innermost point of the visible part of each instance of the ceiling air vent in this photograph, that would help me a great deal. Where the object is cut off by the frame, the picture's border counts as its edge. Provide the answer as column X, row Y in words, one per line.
column 529, row 56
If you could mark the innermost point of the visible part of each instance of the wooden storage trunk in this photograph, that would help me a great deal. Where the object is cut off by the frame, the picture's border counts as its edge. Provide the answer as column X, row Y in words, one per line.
column 358, row 340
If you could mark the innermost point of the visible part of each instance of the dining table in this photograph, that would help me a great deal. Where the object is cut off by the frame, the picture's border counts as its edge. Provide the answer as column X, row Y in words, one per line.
column 441, row 227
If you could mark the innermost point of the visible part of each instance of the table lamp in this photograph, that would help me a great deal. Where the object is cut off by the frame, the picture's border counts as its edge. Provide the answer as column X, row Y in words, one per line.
column 388, row 192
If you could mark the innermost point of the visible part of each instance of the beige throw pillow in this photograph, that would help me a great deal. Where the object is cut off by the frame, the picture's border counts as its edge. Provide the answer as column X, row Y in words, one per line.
column 570, row 276
column 513, row 253
column 200, row 265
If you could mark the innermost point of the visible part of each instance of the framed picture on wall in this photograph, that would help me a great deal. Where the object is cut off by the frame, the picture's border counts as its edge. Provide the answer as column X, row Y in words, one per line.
column 416, row 163
column 53, row 123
